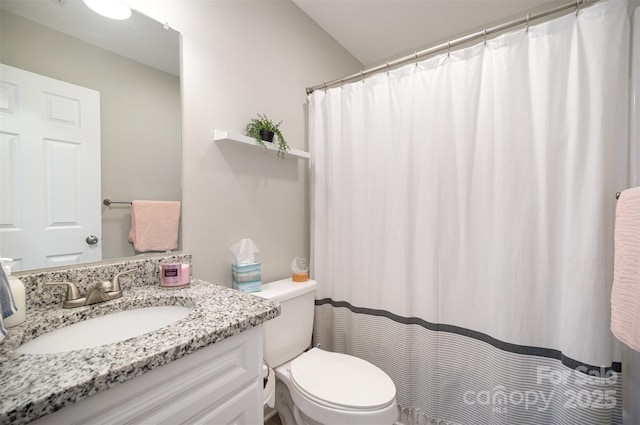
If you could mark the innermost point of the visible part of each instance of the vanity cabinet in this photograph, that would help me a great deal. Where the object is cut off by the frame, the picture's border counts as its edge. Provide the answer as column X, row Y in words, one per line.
column 219, row 384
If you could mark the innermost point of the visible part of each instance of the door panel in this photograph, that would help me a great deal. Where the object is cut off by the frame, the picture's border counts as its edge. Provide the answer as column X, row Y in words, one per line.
column 50, row 176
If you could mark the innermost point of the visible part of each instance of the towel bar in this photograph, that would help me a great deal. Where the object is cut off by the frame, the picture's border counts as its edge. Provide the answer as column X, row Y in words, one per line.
column 108, row 202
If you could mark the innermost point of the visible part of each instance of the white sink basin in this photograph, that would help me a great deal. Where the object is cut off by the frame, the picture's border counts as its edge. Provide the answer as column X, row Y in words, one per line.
column 103, row 330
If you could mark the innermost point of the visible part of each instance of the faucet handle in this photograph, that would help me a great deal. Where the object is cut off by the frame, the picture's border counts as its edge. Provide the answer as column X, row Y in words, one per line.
column 73, row 298
column 115, row 282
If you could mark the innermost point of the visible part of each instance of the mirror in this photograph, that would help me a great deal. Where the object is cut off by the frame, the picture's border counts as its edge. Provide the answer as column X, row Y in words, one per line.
column 135, row 66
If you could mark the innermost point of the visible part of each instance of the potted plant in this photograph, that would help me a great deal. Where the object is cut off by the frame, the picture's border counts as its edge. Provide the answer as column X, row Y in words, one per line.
column 263, row 129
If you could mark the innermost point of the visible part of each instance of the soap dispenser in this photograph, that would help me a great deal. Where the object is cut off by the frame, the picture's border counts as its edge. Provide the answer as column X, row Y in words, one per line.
column 19, row 296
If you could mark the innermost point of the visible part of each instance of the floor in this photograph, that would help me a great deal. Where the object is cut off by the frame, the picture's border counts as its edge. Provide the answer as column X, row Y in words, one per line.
column 274, row 420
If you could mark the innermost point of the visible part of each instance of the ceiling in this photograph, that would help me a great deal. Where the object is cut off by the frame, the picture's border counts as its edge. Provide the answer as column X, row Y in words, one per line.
column 375, row 31
column 154, row 44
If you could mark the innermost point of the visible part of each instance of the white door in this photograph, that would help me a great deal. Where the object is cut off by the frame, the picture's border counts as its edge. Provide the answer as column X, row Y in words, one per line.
column 49, row 171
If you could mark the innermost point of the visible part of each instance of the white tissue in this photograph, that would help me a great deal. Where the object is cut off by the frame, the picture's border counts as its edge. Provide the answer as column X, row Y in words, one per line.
column 244, row 251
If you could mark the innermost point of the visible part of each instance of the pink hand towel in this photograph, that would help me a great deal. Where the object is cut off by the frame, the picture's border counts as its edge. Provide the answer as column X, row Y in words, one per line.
column 625, row 295
column 154, row 225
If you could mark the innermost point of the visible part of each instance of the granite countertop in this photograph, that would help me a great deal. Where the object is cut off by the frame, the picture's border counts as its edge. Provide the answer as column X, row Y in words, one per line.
column 33, row 385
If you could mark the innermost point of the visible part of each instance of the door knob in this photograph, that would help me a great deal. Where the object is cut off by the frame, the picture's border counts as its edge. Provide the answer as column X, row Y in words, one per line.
column 92, row 239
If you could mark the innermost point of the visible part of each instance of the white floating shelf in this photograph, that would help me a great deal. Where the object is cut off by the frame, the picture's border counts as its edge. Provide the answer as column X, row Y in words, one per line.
column 226, row 136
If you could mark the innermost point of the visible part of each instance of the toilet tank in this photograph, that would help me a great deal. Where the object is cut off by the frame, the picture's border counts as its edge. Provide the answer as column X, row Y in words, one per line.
column 289, row 334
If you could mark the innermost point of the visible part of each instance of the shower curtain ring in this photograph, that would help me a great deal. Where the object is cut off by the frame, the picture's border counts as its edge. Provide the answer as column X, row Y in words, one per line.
column 387, row 69
column 341, row 83
column 577, row 3
column 362, row 75
column 448, row 48
column 485, row 36
column 415, row 54
column 528, row 17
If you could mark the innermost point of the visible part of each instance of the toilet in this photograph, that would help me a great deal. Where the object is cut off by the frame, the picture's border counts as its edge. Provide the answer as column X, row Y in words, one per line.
column 316, row 386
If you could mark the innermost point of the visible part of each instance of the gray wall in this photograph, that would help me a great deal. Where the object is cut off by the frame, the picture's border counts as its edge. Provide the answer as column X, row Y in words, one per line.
column 140, row 117
column 240, row 58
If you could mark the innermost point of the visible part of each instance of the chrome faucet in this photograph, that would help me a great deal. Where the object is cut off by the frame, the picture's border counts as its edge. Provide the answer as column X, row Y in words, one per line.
column 104, row 291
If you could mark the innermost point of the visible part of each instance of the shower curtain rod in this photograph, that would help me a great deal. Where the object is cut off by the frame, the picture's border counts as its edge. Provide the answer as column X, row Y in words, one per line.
column 450, row 44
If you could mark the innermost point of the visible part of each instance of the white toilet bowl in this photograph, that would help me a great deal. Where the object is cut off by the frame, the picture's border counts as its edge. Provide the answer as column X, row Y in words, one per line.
column 321, row 387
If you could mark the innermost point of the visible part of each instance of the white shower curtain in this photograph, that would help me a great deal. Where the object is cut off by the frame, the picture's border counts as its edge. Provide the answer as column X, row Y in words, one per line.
column 463, row 212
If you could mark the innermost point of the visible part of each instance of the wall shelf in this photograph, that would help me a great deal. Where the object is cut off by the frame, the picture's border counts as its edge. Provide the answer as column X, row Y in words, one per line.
column 226, row 136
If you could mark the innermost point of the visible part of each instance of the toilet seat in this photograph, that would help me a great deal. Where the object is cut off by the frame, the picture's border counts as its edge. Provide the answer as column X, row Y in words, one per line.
column 342, row 382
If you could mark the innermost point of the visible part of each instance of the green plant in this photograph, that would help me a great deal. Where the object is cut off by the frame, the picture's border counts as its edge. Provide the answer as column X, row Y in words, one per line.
column 263, row 123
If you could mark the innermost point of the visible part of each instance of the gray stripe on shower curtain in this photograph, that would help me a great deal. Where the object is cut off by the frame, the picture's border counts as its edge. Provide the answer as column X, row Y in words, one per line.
column 464, row 380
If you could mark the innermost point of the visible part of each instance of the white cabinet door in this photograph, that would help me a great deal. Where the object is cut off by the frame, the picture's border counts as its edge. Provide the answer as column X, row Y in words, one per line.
column 220, row 384
column 49, row 170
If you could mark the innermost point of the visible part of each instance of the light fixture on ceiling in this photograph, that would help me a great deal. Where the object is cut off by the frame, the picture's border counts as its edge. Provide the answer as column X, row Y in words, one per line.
column 113, row 9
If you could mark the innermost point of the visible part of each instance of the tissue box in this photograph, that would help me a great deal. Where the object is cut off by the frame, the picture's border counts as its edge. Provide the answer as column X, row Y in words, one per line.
column 246, row 277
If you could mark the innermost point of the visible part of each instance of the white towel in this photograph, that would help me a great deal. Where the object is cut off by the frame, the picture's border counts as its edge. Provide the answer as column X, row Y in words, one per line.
column 154, row 225
column 625, row 294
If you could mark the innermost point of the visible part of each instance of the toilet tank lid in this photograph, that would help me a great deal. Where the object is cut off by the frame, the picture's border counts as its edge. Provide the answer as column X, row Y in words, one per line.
column 285, row 289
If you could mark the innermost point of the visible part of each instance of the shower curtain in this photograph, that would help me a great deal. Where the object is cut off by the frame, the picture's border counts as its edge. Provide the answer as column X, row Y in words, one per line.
column 462, row 223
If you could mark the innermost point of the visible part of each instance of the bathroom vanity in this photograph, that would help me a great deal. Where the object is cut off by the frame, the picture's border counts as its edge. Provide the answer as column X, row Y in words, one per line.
column 204, row 368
